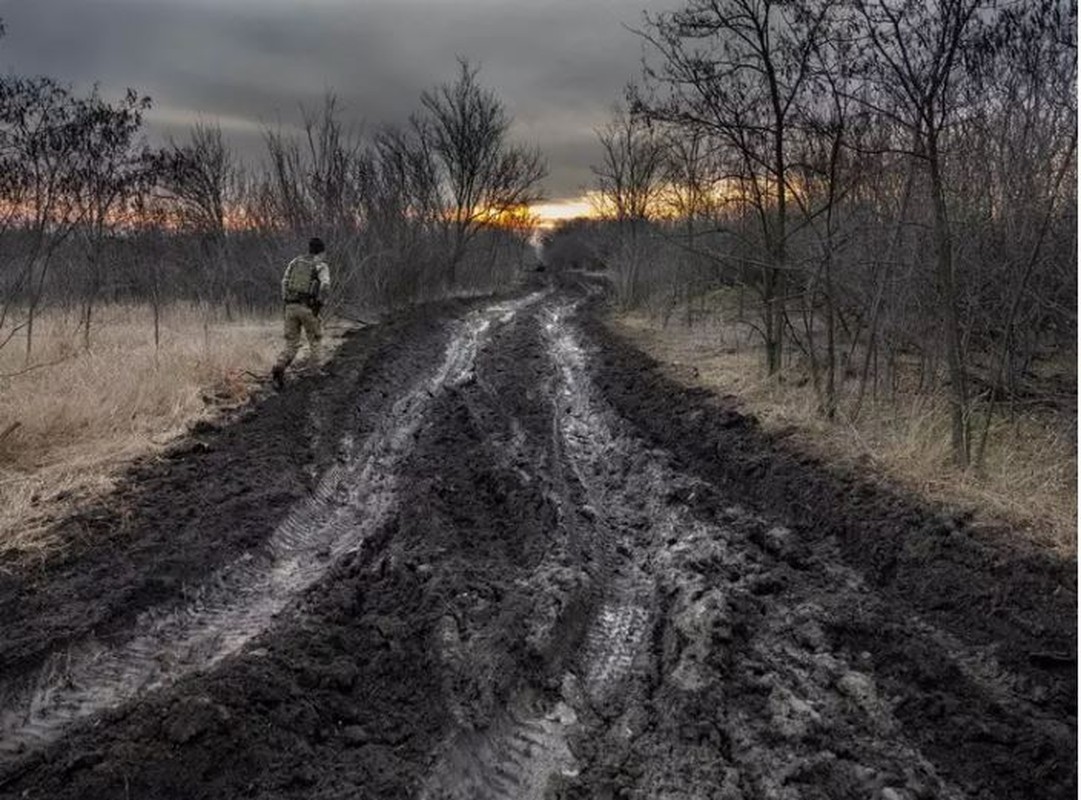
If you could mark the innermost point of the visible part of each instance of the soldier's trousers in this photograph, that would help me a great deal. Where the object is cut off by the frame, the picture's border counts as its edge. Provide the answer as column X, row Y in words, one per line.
column 299, row 317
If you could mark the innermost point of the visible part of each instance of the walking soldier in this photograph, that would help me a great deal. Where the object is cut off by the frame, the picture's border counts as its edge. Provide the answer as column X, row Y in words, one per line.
column 304, row 288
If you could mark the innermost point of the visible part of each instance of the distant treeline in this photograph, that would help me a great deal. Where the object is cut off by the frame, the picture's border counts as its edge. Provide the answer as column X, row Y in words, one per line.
column 892, row 181
column 90, row 213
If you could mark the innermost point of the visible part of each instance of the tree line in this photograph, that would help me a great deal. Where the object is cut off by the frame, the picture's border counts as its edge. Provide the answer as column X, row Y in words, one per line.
column 894, row 181
column 91, row 213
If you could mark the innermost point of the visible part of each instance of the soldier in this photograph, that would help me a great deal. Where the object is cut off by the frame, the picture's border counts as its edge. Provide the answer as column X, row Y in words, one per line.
column 304, row 288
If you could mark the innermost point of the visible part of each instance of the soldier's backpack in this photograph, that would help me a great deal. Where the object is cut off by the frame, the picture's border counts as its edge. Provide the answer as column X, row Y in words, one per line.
column 301, row 281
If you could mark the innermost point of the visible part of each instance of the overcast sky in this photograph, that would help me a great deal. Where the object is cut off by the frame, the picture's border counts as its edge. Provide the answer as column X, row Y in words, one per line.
column 558, row 65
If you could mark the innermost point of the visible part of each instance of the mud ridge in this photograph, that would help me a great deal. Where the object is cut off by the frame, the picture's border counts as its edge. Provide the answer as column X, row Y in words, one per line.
column 946, row 620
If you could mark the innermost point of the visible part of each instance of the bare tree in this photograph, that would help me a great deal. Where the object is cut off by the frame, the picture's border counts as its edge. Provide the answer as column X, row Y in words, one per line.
column 918, row 63
column 629, row 183
column 41, row 133
column 403, row 210
column 466, row 130
column 736, row 69
column 107, row 169
column 827, row 168
column 201, row 178
column 629, row 177
column 314, row 174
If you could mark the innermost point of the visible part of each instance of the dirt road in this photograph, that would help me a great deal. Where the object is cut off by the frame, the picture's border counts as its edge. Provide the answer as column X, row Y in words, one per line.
column 495, row 554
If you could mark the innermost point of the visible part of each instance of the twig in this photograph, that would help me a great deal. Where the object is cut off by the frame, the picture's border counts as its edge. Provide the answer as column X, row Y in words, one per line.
column 10, row 429
column 33, row 367
column 355, row 319
column 11, row 334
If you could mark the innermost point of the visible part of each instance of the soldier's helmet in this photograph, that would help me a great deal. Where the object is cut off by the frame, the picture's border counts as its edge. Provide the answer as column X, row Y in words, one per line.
column 315, row 246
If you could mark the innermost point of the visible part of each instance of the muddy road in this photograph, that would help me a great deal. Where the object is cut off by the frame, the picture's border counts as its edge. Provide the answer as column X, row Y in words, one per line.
column 496, row 554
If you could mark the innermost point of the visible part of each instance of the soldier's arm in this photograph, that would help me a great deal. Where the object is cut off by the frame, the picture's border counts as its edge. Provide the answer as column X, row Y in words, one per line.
column 323, row 271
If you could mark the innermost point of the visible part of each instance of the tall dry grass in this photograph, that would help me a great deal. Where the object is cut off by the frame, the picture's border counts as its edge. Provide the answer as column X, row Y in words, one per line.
column 1029, row 479
column 73, row 424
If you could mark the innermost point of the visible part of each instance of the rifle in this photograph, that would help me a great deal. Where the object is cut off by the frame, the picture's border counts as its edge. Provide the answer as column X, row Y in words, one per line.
column 314, row 287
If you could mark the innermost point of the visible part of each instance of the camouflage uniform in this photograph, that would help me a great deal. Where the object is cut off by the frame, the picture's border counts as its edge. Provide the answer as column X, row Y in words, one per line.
column 302, row 272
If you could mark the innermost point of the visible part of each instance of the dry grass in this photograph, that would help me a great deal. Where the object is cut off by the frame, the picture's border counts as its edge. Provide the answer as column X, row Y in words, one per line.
column 1030, row 477
column 82, row 419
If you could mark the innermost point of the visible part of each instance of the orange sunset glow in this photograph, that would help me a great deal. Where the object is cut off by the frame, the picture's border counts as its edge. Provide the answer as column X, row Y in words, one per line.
column 555, row 211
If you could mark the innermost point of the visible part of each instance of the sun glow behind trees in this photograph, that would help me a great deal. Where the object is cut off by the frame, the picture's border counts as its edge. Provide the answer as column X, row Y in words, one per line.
column 550, row 214
column 440, row 204
column 888, row 177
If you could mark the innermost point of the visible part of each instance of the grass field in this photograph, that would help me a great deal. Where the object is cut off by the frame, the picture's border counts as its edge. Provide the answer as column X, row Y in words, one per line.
column 1030, row 476
column 71, row 423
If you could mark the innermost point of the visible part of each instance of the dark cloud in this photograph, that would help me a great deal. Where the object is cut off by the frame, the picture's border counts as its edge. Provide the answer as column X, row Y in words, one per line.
column 559, row 66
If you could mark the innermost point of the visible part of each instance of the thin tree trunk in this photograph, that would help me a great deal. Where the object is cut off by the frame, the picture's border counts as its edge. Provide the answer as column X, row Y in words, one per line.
column 831, row 346
column 88, row 313
column 29, row 333
column 944, row 268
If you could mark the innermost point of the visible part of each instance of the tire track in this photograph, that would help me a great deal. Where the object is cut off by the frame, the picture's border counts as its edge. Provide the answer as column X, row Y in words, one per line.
column 514, row 758
column 353, row 499
column 516, row 748
column 525, row 747
column 616, row 638
column 596, row 446
column 706, row 571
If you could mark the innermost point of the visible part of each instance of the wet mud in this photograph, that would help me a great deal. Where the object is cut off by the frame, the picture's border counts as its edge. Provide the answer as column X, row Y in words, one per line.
column 496, row 554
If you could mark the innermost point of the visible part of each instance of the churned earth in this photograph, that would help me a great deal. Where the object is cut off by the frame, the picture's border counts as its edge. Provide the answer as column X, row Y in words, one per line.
column 496, row 554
